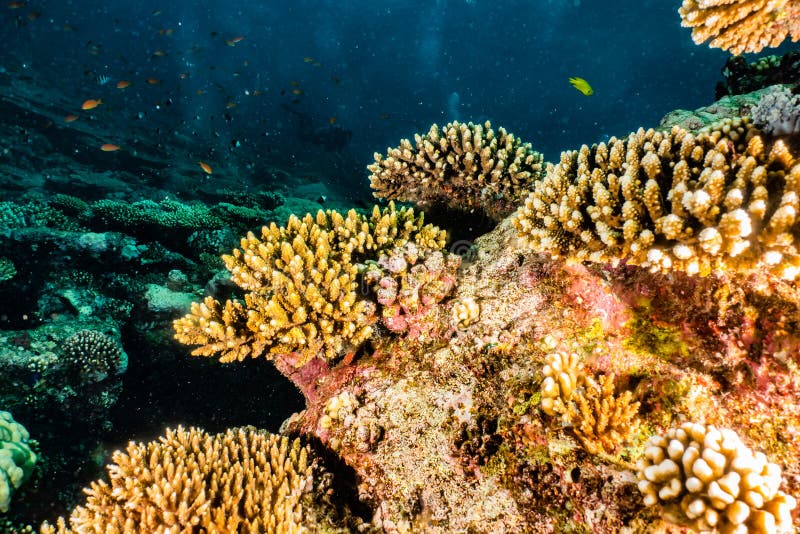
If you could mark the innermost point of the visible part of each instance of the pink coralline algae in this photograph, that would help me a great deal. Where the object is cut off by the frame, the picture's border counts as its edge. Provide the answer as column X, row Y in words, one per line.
column 408, row 283
column 442, row 425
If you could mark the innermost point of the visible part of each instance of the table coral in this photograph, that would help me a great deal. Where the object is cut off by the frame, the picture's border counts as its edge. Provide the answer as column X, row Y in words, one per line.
column 725, row 199
column 462, row 166
column 741, row 25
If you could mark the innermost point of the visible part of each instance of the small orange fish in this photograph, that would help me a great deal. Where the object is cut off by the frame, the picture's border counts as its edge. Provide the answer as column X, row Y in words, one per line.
column 308, row 59
column 201, row 92
column 297, row 91
column 109, row 147
column 91, row 104
column 33, row 15
column 122, row 84
column 159, row 53
column 15, row 5
column 153, row 81
column 332, row 120
column 70, row 118
column 230, row 104
column 206, row 167
column 232, row 42
column 183, row 75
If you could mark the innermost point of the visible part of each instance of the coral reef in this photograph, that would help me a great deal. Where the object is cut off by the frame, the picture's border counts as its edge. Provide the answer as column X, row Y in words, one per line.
column 777, row 112
column 93, row 356
column 16, row 458
column 601, row 420
column 243, row 480
column 463, row 166
column 722, row 200
column 7, row 270
column 743, row 77
column 408, row 282
column 707, row 478
column 302, row 288
column 741, row 26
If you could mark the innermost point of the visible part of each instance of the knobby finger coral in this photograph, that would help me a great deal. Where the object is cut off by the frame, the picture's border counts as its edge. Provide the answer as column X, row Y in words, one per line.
column 741, row 25
column 301, row 284
column 707, row 478
column 92, row 356
column 725, row 199
column 461, row 166
column 243, row 480
column 600, row 419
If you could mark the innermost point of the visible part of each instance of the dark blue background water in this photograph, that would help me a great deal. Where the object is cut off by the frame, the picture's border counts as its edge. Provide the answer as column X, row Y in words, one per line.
column 382, row 70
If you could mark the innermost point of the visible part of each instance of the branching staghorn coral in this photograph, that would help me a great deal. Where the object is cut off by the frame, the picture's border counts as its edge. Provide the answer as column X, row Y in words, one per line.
column 724, row 199
column 707, row 478
column 599, row 418
column 462, row 166
column 243, row 480
column 741, row 25
column 302, row 286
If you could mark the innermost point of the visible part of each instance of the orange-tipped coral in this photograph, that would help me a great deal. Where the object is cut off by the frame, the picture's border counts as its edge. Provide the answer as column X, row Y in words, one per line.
column 244, row 480
column 742, row 25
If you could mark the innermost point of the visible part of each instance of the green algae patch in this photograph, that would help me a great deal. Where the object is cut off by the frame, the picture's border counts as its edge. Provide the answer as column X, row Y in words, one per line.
column 662, row 341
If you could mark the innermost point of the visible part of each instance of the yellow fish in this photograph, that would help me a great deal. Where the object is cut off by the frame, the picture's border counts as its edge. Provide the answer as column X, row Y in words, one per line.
column 581, row 85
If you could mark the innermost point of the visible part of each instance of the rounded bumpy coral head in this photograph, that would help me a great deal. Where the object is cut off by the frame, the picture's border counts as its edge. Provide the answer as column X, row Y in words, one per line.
column 707, row 478
column 92, row 355
column 725, row 199
column 462, row 166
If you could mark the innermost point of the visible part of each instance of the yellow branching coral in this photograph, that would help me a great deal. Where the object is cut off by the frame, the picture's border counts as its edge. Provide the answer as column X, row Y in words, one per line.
column 600, row 419
column 724, row 199
column 243, row 480
column 301, row 283
column 462, row 166
column 707, row 478
column 741, row 25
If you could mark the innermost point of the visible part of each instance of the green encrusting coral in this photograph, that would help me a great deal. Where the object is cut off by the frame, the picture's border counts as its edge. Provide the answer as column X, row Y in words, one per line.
column 16, row 458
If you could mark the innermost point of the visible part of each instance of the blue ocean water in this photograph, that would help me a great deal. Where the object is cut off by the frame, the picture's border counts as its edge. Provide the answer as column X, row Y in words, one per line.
column 381, row 70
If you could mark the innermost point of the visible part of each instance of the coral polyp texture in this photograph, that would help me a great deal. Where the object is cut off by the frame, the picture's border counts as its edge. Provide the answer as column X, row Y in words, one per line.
column 17, row 460
column 724, row 199
column 408, row 282
column 777, row 112
column 741, row 25
column 462, row 166
column 707, row 478
column 301, row 284
column 243, row 480
column 93, row 356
